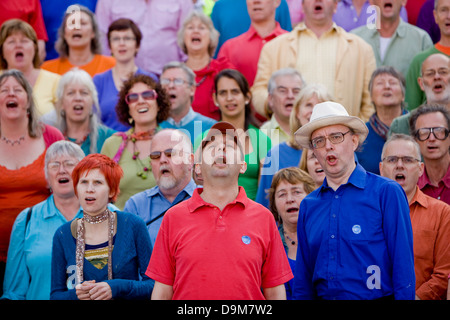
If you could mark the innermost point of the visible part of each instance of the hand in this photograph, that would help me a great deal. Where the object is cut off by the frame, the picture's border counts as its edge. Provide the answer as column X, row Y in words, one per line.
column 100, row 291
column 82, row 290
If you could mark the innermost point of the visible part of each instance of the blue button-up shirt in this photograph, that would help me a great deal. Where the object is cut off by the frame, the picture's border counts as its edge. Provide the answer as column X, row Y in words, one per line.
column 150, row 203
column 355, row 242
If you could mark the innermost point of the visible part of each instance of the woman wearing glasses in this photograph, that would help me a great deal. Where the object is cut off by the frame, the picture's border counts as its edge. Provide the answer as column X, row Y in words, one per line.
column 27, row 275
column 124, row 40
column 143, row 104
column 78, row 111
column 102, row 255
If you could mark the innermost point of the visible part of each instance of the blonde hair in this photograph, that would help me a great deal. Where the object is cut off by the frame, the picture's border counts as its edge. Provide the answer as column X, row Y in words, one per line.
column 307, row 92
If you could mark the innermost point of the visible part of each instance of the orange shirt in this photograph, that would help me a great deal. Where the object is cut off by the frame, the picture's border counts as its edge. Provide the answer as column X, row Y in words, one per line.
column 430, row 220
column 98, row 64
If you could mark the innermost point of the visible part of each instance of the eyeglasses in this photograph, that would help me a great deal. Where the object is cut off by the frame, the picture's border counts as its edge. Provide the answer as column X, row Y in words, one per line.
column 55, row 165
column 176, row 81
column 155, row 155
column 125, row 39
column 440, row 133
column 393, row 160
column 334, row 138
column 146, row 95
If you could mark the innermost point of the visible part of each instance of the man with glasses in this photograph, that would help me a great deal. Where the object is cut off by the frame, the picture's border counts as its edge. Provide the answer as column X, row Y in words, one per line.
column 172, row 161
column 179, row 82
column 430, row 127
column 430, row 218
column 355, row 236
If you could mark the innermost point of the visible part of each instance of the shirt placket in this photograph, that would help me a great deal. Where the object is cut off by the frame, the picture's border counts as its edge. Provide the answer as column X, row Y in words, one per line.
column 333, row 240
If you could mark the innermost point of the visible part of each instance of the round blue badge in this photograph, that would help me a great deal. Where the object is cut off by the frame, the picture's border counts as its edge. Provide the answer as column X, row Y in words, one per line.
column 246, row 239
column 356, row 229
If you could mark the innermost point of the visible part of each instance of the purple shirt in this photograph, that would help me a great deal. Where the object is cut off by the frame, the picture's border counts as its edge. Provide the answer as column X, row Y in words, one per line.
column 158, row 20
column 440, row 192
column 347, row 18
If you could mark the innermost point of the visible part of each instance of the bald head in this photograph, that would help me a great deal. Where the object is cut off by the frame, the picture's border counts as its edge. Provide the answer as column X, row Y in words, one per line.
column 435, row 78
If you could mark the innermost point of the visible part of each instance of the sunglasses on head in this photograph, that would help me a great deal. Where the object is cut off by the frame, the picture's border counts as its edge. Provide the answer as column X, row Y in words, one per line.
column 146, row 95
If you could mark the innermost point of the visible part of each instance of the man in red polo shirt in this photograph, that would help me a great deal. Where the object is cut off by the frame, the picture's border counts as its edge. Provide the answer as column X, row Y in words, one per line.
column 219, row 245
column 263, row 28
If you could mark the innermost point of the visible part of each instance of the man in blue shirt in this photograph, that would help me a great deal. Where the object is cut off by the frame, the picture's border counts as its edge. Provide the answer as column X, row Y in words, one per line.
column 179, row 82
column 355, row 234
column 172, row 162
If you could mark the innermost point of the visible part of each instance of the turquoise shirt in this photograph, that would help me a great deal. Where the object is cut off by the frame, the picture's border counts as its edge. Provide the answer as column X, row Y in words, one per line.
column 104, row 133
column 28, row 268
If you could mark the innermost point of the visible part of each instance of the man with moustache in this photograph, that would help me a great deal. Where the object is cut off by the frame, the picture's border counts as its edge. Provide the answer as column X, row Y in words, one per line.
column 355, row 236
column 219, row 244
column 434, row 81
column 430, row 218
column 172, row 161
column 430, row 126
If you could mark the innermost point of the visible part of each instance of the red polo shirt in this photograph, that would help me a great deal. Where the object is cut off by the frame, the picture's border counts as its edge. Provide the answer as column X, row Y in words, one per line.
column 243, row 51
column 209, row 254
column 441, row 191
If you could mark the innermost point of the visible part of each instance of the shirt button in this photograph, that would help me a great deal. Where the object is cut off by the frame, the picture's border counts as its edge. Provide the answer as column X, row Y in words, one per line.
column 336, row 196
column 220, row 217
column 332, row 236
column 333, row 215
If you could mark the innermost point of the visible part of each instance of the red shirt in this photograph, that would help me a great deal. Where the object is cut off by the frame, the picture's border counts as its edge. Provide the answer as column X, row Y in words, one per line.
column 208, row 254
column 243, row 51
column 203, row 102
column 29, row 11
column 441, row 192
column 430, row 219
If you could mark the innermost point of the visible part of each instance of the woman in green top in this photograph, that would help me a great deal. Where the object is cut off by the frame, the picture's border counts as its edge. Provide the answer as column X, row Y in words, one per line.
column 143, row 104
column 232, row 96
column 78, row 111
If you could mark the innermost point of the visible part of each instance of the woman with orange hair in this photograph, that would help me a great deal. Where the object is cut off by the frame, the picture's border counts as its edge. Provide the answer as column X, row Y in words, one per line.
column 104, row 254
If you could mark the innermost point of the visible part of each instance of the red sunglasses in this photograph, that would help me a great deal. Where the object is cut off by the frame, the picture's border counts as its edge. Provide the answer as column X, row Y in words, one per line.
column 146, row 95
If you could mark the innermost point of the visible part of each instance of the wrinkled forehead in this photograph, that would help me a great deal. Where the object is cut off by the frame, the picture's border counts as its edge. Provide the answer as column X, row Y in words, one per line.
column 324, row 131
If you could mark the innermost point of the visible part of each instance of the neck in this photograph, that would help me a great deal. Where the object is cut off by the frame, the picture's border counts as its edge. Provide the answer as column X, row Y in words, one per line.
column 219, row 193
column 284, row 124
column 238, row 122
column 80, row 56
column 30, row 73
column 337, row 181
column 198, row 60
column 266, row 27
column 144, row 127
column 319, row 28
column 289, row 228
column 444, row 41
column 388, row 27
column 411, row 195
column 387, row 114
column 14, row 129
column 124, row 69
column 67, row 206
column 437, row 168
column 180, row 113
column 77, row 130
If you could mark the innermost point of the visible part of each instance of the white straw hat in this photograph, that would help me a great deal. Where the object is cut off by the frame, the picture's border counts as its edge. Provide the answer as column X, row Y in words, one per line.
column 326, row 114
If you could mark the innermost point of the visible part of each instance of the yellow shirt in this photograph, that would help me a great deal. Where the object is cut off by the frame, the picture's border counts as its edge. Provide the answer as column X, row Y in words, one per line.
column 273, row 130
column 44, row 91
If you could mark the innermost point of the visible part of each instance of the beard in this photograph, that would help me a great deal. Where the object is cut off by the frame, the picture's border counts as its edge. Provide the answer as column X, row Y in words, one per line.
column 167, row 182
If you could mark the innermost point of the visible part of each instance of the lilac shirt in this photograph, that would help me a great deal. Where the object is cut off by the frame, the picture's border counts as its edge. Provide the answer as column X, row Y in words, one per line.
column 158, row 20
column 346, row 17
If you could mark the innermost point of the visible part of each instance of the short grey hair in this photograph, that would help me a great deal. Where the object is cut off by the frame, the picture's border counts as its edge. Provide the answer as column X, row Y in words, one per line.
column 180, row 65
column 402, row 137
column 62, row 148
column 271, row 86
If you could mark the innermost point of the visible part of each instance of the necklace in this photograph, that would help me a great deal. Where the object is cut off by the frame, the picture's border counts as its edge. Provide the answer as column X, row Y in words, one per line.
column 13, row 142
column 145, row 135
column 204, row 77
column 98, row 218
column 292, row 241
column 79, row 141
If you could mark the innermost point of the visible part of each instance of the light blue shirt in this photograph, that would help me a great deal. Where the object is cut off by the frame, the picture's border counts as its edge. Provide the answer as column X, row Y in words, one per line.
column 28, row 268
column 150, row 203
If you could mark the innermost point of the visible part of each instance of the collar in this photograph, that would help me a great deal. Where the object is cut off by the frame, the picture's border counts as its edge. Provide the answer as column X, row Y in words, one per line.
column 301, row 27
column 357, row 179
column 424, row 180
column 190, row 116
column 420, row 198
column 251, row 33
column 52, row 210
column 399, row 32
column 197, row 201
column 189, row 189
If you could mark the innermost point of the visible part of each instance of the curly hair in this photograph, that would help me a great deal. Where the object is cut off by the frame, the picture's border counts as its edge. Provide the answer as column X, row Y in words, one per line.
column 163, row 102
